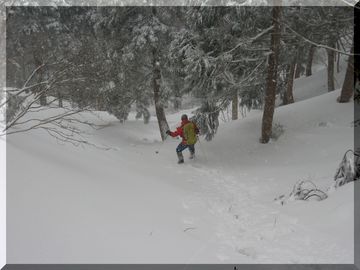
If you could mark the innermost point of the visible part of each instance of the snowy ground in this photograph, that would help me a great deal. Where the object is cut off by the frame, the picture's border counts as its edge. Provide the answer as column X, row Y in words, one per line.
column 133, row 205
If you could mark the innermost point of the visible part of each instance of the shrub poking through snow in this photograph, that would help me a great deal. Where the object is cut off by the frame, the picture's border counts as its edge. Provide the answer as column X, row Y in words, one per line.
column 303, row 190
column 324, row 124
column 207, row 119
column 349, row 168
column 277, row 130
column 348, row 171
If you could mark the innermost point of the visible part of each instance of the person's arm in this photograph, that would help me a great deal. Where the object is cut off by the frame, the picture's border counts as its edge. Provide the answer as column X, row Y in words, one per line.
column 174, row 133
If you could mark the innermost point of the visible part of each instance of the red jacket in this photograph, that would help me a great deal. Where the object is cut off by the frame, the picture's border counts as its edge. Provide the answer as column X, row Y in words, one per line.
column 180, row 132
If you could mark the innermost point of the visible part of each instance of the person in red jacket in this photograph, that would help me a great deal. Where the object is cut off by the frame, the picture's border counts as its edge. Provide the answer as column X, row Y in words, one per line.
column 187, row 131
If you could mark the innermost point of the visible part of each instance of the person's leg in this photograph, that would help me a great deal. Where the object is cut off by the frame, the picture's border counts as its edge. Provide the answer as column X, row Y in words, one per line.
column 192, row 151
column 181, row 147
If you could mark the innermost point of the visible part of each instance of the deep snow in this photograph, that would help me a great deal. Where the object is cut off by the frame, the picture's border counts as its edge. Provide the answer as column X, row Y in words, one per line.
column 133, row 205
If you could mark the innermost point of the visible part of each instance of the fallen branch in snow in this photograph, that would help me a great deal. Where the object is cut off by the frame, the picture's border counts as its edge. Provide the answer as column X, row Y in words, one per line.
column 275, row 222
column 25, row 112
column 65, row 127
column 348, row 171
column 303, row 190
column 189, row 228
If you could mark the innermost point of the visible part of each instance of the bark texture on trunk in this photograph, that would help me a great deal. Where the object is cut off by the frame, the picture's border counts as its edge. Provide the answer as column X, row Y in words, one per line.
column 40, row 77
column 177, row 103
column 160, row 112
column 330, row 69
column 338, row 58
column 235, row 107
column 270, row 91
column 3, row 72
column 298, row 67
column 288, row 95
column 347, row 89
column 60, row 99
column 308, row 71
column 177, row 98
column 98, row 103
column 297, row 70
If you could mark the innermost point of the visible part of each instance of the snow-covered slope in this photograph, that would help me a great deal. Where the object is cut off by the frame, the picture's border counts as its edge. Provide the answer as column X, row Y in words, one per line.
column 305, row 88
column 134, row 204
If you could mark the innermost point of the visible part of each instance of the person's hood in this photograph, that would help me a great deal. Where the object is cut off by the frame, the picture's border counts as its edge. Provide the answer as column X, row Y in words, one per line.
column 184, row 122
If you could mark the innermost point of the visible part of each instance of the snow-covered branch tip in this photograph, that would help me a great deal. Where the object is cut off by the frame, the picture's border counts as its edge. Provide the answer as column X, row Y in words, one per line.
column 251, row 40
column 26, row 112
column 65, row 127
column 317, row 44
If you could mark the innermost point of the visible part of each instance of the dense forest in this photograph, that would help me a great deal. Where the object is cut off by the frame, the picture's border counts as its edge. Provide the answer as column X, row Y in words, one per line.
column 118, row 59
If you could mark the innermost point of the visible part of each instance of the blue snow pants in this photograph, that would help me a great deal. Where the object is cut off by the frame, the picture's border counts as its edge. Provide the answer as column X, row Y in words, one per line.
column 181, row 147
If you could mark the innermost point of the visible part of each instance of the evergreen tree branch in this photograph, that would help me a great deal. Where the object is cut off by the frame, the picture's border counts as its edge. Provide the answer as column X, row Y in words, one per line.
column 315, row 43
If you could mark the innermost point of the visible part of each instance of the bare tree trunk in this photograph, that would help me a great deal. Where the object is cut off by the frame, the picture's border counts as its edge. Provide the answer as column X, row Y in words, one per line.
column 235, row 106
column 160, row 112
column 159, row 109
column 60, row 99
column 43, row 100
column 309, row 61
column 146, row 116
column 177, row 98
column 297, row 70
column 98, row 103
column 23, row 71
column 269, row 106
column 347, row 89
column 298, row 67
column 177, row 103
column 338, row 58
column 3, row 72
column 288, row 96
column 330, row 69
column 38, row 62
